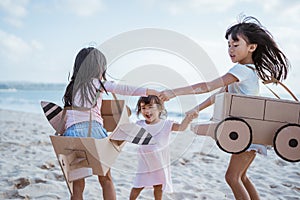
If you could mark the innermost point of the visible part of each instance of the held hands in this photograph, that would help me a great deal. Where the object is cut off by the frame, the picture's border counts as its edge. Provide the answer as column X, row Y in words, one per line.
column 192, row 114
column 166, row 95
column 186, row 121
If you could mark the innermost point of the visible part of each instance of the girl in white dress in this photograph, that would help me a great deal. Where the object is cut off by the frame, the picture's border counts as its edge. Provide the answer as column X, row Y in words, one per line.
column 154, row 160
column 256, row 55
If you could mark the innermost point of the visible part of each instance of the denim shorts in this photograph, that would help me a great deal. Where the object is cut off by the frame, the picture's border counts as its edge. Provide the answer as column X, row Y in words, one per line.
column 81, row 130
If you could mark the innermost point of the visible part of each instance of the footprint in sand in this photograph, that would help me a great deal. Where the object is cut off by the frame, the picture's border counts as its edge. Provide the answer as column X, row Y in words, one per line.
column 21, row 183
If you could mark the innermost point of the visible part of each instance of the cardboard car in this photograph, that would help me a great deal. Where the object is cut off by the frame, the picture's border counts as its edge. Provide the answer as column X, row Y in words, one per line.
column 239, row 120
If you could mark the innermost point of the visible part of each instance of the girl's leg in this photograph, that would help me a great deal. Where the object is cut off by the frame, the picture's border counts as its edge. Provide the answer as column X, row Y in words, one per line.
column 108, row 189
column 135, row 192
column 158, row 192
column 78, row 187
column 249, row 185
column 238, row 166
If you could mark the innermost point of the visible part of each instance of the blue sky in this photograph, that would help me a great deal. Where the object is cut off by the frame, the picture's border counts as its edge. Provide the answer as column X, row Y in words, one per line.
column 39, row 39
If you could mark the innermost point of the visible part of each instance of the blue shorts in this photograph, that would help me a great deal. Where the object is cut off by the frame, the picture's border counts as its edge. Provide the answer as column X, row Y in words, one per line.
column 81, row 130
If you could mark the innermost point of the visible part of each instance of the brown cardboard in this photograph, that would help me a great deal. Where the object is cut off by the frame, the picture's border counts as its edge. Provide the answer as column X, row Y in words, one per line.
column 264, row 118
column 78, row 157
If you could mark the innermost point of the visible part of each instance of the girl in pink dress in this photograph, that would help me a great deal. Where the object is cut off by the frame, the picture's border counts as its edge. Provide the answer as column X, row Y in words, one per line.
column 154, row 160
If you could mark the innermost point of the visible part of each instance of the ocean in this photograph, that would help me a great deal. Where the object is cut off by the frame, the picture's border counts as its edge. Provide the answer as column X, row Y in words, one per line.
column 26, row 96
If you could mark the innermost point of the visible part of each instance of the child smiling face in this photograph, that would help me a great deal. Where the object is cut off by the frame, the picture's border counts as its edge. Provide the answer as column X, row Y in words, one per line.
column 151, row 112
column 152, row 109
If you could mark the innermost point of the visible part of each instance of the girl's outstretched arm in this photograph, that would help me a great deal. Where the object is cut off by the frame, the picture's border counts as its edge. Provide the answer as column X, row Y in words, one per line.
column 209, row 101
column 152, row 92
column 128, row 89
column 198, row 88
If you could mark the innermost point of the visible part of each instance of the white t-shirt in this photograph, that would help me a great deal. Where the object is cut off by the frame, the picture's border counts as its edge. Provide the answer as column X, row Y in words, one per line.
column 248, row 80
column 248, row 84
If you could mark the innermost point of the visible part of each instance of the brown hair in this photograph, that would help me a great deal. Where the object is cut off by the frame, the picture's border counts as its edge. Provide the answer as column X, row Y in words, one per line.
column 89, row 64
column 151, row 99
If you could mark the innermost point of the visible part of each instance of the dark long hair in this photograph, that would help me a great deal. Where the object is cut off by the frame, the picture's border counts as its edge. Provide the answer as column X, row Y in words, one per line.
column 89, row 64
column 269, row 60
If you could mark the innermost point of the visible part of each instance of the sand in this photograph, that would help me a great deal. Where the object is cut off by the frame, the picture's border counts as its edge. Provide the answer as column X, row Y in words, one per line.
column 29, row 169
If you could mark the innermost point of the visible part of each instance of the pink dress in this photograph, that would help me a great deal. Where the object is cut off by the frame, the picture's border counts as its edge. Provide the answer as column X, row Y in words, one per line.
column 154, row 160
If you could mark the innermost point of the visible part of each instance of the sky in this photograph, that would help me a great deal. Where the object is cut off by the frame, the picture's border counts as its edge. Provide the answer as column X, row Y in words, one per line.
column 39, row 39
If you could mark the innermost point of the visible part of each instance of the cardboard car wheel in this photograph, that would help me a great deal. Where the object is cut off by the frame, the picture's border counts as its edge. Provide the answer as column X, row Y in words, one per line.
column 287, row 142
column 233, row 135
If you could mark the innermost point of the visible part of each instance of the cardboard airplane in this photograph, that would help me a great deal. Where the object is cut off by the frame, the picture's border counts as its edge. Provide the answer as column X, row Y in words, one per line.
column 83, row 157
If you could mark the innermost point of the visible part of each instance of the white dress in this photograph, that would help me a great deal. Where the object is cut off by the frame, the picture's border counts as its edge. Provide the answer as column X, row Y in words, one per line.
column 154, row 160
column 248, row 84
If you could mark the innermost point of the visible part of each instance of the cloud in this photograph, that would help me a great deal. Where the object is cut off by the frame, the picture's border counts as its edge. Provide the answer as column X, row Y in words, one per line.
column 15, row 49
column 15, row 11
column 197, row 6
column 289, row 9
column 292, row 13
column 83, row 8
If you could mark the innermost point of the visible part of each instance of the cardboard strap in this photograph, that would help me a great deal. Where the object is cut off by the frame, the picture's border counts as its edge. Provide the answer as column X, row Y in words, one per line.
column 117, row 103
column 274, row 80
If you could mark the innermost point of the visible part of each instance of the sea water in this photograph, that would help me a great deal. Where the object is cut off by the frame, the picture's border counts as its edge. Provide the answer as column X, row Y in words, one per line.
column 26, row 97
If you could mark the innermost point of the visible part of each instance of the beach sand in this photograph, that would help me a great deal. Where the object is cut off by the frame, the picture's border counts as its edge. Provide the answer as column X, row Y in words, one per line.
column 29, row 169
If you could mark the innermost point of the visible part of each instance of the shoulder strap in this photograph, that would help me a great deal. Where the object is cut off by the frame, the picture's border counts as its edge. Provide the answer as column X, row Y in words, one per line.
column 117, row 103
column 273, row 80
column 113, row 94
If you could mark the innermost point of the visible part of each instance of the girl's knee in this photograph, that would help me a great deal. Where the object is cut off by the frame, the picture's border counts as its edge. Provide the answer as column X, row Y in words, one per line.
column 135, row 193
column 157, row 187
column 232, row 177
column 245, row 178
column 105, row 180
column 136, row 190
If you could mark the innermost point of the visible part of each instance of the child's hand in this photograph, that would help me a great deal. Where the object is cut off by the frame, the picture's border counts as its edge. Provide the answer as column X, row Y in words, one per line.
column 152, row 92
column 166, row 95
column 193, row 114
